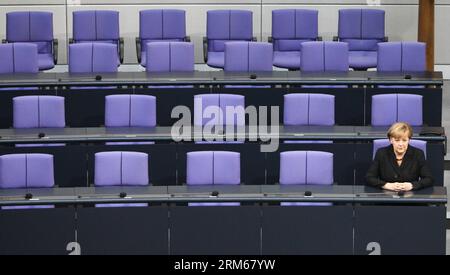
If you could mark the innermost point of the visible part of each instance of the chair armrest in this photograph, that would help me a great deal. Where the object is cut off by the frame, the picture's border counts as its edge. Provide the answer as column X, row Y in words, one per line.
column 71, row 41
column 205, row 49
column 55, row 51
column 138, row 50
column 4, row 41
column 254, row 39
column 335, row 38
column 319, row 38
column 270, row 39
column 121, row 50
column 187, row 39
column 385, row 39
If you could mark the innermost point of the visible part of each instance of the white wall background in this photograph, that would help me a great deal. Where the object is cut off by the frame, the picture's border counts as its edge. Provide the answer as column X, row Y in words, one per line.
column 401, row 18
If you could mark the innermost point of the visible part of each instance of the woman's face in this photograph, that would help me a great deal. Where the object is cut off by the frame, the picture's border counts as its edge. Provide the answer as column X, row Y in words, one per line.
column 400, row 143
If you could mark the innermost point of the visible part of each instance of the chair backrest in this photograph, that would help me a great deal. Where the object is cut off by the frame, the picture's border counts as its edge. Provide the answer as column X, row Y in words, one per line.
column 34, row 26
column 98, row 25
column 92, row 58
column 324, row 56
column 121, row 168
column 390, row 108
column 162, row 24
column 361, row 28
column 308, row 109
column 18, row 58
column 213, row 167
column 226, row 25
column 291, row 27
column 380, row 143
column 306, row 167
column 248, row 56
column 219, row 109
column 38, row 112
column 26, row 171
column 401, row 57
column 130, row 111
column 170, row 57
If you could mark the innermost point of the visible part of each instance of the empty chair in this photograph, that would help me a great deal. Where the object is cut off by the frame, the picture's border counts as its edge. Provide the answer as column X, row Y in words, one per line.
column 219, row 109
column 225, row 26
column 401, row 57
column 18, row 58
column 362, row 29
column 248, row 57
column 306, row 168
column 213, row 168
column 98, row 26
column 390, row 108
column 308, row 109
column 38, row 112
column 170, row 57
column 159, row 25
column 130, row 111
column 380, row 143
column 121, row 169
column 92, row 58
column 324, row 57
column 26, row 171
column 34, row 27
column 290, row 28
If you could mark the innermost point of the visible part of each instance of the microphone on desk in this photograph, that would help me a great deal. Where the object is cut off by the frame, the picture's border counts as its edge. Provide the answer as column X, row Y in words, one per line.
column 253, row 76
column 122, row 195
column 98, row 77
column 41, row 135
column 408, row 76
column 308, row 193
column 28, row 196
column 215, row 193
column 400, row 193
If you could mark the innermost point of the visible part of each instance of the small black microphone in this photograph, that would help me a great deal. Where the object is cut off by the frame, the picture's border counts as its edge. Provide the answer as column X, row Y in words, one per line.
column 408, row 76
column 401, row 193
column 28, row 196
column 308, row 193
column 215, row 193
column 253, row 76
column 122, row 195
column 41, row 135
column 98, row 77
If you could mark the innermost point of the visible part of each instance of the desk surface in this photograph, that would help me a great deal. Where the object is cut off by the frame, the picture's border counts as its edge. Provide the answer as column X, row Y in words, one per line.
column 225, row 193
column 220, row 77
column 165, row 133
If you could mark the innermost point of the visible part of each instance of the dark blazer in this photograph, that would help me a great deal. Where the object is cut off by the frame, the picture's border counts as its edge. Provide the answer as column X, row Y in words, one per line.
column 413, row 168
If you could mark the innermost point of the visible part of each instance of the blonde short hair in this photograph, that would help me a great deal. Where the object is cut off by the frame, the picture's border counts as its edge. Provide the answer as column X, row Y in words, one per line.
column 399, row 129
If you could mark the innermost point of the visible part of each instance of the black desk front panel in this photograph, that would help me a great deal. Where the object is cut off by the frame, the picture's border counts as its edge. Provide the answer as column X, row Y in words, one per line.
column 123, row 230
column 37, row 231
column 404, row 230
column 292, row 230
column 217, row 230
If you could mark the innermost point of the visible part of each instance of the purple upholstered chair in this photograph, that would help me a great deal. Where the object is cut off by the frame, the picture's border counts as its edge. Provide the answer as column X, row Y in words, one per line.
column 380, row 143
column 157, row 26
column 213, row 168
column 304, row 168
column 362, row 29
column 26, row 171
column 34, row 27
column 130, row 111
column 308, row 109
column 290, row 28
column 390, row 108
column 212, row 109
column 170, row 57
column 248, row 57
column 401, row 57
column 324, row 57
column 18, row 58
column 225, row 26
column 92, row 58
column 121, row 169
column 98, row 26
column 38, row 112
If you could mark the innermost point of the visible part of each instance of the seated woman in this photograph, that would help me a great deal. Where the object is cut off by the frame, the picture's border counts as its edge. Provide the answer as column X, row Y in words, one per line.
column 399, row 167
